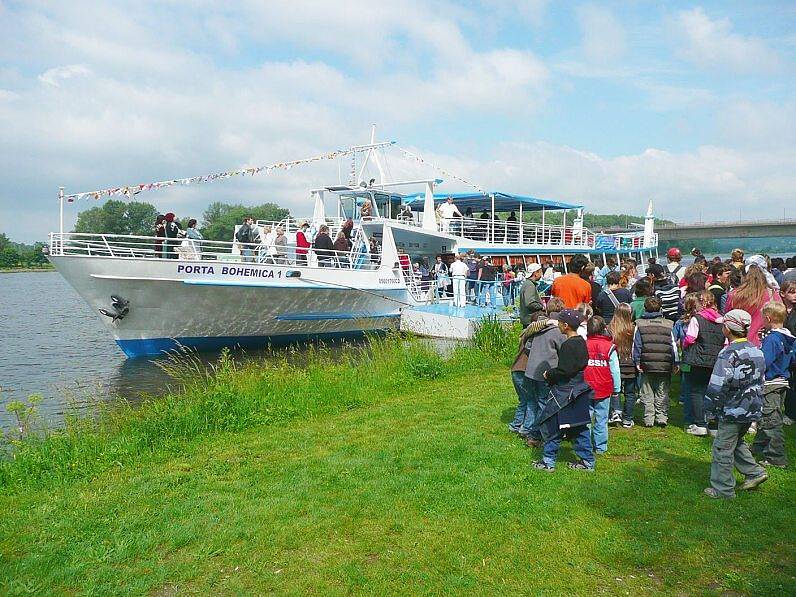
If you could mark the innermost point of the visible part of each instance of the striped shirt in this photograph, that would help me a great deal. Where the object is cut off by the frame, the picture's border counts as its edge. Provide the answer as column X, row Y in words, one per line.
column 670, row 300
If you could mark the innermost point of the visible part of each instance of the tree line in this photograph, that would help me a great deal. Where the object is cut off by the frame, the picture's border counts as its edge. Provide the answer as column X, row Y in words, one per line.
column 18, row 255
column 138, row 218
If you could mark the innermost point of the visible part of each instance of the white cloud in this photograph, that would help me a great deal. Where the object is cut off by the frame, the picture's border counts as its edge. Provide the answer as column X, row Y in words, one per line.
column 603, row 35
column 663, row 97
column 712, row 43
column 55, row 75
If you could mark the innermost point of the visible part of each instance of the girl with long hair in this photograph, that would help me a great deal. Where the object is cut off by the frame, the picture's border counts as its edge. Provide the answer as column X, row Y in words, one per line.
column 752, row 295
column 702, row 343
column 622, row 330
column 691, row 304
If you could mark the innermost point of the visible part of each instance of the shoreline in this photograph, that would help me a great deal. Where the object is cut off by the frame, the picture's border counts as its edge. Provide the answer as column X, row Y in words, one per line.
column 24, row 270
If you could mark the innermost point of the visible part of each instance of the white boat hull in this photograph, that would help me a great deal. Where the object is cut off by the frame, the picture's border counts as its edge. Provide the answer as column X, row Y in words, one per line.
column 208, row 305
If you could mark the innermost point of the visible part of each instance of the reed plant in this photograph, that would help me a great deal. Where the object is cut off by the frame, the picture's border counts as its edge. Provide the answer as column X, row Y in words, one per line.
column 225, row 396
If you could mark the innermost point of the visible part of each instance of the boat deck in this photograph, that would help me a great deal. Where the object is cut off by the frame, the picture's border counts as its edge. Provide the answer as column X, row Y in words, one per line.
column 444, row 320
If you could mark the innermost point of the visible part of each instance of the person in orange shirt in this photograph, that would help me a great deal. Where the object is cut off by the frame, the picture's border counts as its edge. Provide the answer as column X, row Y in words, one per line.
column 571, row 288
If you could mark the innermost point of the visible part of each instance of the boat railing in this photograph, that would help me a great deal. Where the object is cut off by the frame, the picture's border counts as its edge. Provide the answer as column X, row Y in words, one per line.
column 503, row 232
column 187, row 249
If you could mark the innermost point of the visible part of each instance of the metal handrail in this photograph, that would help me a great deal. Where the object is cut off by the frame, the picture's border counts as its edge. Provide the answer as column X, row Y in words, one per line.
column 123, row 246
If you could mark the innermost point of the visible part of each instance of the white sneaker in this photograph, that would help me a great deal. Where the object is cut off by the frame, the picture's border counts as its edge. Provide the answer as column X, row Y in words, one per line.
column 696, row 430
column 786, row 420
column 752, row 428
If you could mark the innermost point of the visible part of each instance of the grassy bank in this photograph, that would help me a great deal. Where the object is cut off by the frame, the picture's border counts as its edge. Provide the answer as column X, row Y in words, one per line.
column 391, row 471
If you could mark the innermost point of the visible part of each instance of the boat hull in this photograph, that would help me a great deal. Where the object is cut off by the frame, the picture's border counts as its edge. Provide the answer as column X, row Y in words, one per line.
column 206, row 305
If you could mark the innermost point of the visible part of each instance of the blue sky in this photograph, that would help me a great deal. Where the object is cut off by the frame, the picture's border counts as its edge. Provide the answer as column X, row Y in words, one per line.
column 609, row 104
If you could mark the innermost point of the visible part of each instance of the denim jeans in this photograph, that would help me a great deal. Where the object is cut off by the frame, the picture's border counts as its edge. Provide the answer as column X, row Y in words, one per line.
column 598, row 411
column 540, row 393
column 685, row 397
column 525, row 414
column 581, row 444
column 630, row 391
column 730, row 449
column 487, row 288
column 508, row 294
column 472, row 289
column 698, row 379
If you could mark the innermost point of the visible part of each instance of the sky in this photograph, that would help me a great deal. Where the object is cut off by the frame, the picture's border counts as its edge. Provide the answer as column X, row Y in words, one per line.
column 609, row 104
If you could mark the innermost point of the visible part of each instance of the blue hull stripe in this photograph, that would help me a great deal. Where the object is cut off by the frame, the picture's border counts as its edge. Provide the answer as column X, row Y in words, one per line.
column 325, row 316
column 308, row 284
column 152, row 347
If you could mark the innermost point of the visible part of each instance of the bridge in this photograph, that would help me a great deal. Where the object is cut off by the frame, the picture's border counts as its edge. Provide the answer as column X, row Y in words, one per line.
column 719, row 230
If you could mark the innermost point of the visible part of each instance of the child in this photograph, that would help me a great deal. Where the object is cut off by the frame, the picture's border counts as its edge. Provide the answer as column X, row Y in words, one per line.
column 622, row 330
column 735, row 397
column 525, row 386
column 567, row 411
column 602, row 375
column 788, row 293
column 642, row 290
column 655, row 356
column 544, row 339
column 779, row 353
column 704, row 339
column 691, row 305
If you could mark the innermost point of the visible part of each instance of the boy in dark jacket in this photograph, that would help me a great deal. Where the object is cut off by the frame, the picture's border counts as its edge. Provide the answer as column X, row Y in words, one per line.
column 656, row 357
column 735, row 397
column 567, row 411
column 778, row 347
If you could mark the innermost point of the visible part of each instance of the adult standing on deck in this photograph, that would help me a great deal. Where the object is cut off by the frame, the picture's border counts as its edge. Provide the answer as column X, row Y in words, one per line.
column 530, row 301
column 172, row 231
column 447, row 212
column 302, row 244
column 160, row 233
column 486, row 280
column 472, row 275
column 459, row 273
column 323, row 247
column 571, row 288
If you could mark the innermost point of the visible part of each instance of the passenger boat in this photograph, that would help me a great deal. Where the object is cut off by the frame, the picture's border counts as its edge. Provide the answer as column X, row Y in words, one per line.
column 210, row 294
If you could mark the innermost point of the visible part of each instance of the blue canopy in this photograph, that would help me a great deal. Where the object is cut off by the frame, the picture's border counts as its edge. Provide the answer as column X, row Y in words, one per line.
column 480, row 201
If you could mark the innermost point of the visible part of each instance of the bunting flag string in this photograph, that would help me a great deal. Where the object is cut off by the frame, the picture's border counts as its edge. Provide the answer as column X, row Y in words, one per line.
column 421, row 160
column 129, row 191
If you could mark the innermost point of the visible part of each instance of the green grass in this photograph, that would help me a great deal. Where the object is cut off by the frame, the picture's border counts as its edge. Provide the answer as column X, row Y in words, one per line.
column 400, row 479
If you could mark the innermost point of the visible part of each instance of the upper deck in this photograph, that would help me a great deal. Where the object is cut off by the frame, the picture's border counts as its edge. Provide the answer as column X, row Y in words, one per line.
column 485, row 222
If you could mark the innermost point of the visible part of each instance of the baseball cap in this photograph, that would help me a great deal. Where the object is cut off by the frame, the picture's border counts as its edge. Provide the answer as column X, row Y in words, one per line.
column 534, row 267
column 571, row 317
column 738, row 320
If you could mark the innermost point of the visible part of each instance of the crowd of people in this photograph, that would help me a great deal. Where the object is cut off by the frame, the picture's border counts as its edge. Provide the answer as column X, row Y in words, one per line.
column 609, row 337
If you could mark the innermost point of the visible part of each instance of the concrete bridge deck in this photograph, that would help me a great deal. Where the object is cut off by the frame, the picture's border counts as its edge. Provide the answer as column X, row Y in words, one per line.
column 717, row 230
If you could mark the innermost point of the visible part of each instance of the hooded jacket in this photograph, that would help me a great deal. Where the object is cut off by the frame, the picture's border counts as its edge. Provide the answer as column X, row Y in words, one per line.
column 543, row 352
column 778, row 349
column 735, row 390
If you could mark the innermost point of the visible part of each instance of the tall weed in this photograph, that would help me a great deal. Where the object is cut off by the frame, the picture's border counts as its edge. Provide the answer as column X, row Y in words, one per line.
column 226, row 396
